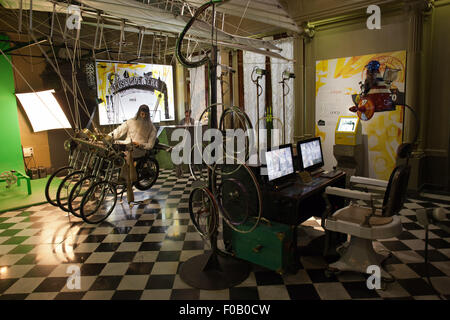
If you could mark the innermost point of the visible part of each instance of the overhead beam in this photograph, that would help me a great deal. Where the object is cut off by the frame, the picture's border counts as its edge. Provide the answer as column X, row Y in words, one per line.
column 22, row 45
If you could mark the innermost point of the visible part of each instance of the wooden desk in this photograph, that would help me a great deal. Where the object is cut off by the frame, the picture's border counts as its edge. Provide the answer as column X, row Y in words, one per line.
column 299, row 202
column 294, row 205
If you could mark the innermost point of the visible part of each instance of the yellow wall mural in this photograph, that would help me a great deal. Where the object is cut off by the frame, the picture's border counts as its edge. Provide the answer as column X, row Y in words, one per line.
column 336, row 81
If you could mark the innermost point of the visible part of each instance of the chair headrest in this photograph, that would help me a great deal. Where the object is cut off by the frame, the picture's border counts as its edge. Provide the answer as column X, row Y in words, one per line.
column 404, row 150
column 396, row 190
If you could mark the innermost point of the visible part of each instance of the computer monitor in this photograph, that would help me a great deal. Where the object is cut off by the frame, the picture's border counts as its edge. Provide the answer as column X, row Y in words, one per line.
column 279, row 162
column 347, row 124
column 310, row 154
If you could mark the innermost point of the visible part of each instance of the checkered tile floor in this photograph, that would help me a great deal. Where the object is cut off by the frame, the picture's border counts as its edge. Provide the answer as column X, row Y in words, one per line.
column 137, row 253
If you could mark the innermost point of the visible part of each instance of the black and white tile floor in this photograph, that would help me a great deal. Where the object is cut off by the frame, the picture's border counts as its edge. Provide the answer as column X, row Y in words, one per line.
column 137, row 253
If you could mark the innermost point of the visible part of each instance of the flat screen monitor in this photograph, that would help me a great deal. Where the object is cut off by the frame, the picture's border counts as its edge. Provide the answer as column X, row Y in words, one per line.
column 310, row 154
column 279, row 162
column 347, row 124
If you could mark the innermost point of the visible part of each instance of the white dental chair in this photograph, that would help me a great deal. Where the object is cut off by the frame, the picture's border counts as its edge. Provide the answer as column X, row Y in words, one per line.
column 367, row 223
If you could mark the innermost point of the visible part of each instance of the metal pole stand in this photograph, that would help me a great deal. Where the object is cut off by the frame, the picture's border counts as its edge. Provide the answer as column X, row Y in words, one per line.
column 213, row 270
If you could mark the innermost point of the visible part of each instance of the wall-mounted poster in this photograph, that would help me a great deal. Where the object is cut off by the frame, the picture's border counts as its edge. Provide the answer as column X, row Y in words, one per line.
column 338, row 81
column 122, row 88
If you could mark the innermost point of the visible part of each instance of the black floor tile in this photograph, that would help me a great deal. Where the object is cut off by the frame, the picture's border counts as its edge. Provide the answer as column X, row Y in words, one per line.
column 395, row 245
column 416, row 287
column 108, row 247
column 302, row 292
column 399, row 298
column 151, row 211
column 106, row 283
column 150, row 246
column 433, row 255
column 140, row 268
column 78, row 257
column 144, row 223
column 160, row 282
column 193, row 245
column 51, row 285
column 122, row 257
column 122, row 230
column 439, row 243
column 40, row 271
column 135, row 238
column 158, row 229
column 178, row 237
column 127, row 295
column 168, row 256
column 185, row 294
column 91, row 269
column 318, row 275
column 392, row 259
column 412, row 226
column 21, row 296
column 440, row 233
column 6, row 283
column 244, row 293
column 70, row 295
column 94, row 238
column 266, row 278
column 405, row 235
column 428, row 204
column 359, row 290
column 421, row 270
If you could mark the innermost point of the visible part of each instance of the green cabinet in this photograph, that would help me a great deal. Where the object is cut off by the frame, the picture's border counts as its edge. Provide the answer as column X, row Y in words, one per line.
column 270, row 245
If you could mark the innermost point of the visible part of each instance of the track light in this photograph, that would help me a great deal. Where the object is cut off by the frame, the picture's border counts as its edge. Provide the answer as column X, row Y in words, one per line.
column 288, row 75
column 260, row 72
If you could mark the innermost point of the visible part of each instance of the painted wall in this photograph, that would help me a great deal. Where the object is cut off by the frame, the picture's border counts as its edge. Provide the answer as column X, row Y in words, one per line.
column 436, row 99
column 344, row 41
column 348, row 36
column 10, row 151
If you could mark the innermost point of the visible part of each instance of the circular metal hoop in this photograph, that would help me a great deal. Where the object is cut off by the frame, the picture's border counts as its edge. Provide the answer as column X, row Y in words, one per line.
column 98, row 202
column 225, row 215
column 203, row 205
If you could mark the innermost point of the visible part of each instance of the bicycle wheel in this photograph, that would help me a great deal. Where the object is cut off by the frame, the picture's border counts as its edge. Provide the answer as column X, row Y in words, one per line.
column 66, row 185
column 199, row 171
column 98, row 202
column 203, row 210
column 233, row 200
column 53, row 182
column 77, row 193
column 243, row 188
column 147, row 173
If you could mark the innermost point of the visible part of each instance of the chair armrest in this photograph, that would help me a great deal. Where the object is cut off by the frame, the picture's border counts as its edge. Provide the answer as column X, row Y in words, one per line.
column 346, row 193
column 369, row 181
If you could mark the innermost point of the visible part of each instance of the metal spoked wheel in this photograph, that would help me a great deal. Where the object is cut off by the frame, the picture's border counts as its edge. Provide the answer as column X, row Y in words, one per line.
column 241, row 153
column 53, row 182
column 65, row 187
column 233, row 201
column 239, row 197
column 98, row 202
column 77, row 193
column 204, row 211
column 199, row 171
column 147, row 173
